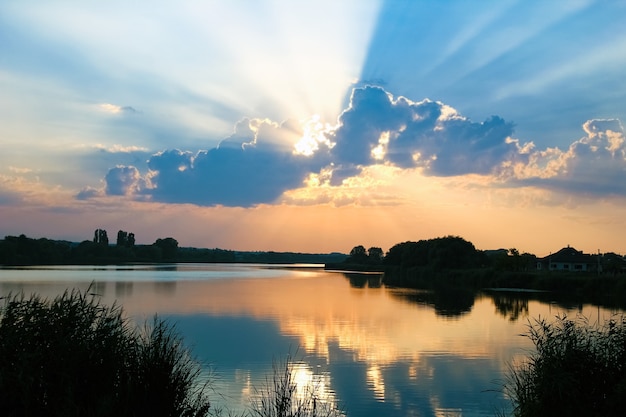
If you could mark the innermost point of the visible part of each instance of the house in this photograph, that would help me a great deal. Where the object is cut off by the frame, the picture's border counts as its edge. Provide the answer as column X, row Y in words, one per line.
column 569, row 259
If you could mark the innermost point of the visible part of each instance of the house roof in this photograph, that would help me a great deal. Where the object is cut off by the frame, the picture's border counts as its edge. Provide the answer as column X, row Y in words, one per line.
column 570, row 255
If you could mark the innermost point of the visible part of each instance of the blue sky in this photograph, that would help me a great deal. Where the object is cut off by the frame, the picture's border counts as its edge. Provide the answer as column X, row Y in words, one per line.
column 315, row 126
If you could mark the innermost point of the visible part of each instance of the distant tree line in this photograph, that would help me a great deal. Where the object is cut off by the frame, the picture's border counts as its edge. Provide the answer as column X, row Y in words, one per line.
column 22, row 250
column 272, row 257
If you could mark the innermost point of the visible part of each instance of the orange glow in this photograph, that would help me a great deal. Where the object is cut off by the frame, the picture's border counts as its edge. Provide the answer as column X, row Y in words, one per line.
column 377, row 325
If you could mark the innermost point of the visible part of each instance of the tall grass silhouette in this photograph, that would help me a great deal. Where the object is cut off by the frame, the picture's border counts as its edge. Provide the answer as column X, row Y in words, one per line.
column 73, row 356
column 281, row 396
column 576, row 369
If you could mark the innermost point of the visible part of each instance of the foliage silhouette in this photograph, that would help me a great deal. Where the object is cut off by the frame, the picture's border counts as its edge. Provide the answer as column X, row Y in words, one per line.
column 282, row 397
column 74, row 356
column 577, row 369
column 450, row 252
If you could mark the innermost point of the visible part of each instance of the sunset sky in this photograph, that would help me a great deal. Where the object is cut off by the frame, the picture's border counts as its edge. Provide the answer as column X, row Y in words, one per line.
column 316, row 126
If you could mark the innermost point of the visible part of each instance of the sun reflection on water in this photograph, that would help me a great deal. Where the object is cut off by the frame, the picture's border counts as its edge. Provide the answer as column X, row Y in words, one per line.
column 376, row 382
column 311, row 388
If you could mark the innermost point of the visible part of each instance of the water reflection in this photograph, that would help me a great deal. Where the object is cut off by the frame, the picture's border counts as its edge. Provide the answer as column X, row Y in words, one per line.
column 123, row 289
column 373, row 350
column 364, row 280
column 165, row 287
column 451, row 302
column 512, row 306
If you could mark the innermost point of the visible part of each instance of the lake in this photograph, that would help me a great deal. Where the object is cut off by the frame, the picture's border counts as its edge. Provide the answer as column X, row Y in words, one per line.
column 372, row 350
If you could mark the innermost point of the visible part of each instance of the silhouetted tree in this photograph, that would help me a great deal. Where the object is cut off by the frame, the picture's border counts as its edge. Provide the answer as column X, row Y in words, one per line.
column 612, row 263
column 358, row 255
column 450, row 252
column 168, row 246
column 528, row 261
column 125, row 239
column 122, row 238
column 375, row 255
column 512, row 260
column 100, row 237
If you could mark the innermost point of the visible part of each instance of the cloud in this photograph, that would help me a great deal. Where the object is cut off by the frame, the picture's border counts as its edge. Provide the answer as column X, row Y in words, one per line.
column 19, row 170
column 372, row 187
column 115, row 109
column 594, row 165
column 254, row 165
column 28, row 188
column 224, row 176
column 117, row 148
column 89, row 193
column 264, row 162
column 426, row 134
column 123, row 180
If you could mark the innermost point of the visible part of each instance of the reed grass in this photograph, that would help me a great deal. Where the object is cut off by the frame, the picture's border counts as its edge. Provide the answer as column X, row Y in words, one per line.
column 281, row 396
column 576, row 369
column 73, row 356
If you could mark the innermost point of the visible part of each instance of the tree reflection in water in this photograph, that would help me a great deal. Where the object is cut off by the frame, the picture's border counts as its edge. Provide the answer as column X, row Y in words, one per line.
column 364, row 279
column 449, row 302
column 511, row 305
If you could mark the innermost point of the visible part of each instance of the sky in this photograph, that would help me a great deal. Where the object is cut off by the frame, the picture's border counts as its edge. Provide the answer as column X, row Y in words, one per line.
column 316, row 126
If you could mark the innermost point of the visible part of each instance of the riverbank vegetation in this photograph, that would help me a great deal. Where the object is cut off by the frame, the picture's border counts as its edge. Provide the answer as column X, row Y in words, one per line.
column 453, row 262
column 576, row 369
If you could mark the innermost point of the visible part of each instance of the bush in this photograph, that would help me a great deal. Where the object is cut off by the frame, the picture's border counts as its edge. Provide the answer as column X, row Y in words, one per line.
column 72, row 356
column 577, row 369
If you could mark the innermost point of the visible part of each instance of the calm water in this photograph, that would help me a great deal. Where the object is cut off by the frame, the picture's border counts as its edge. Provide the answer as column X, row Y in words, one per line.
column 374, row 351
